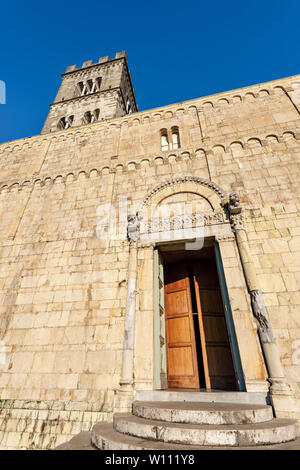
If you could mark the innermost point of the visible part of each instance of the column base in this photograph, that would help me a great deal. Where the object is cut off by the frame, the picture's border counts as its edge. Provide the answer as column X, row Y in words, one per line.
column 286, row 406
column 280, row 386
column 257, row 386
column 124, row 397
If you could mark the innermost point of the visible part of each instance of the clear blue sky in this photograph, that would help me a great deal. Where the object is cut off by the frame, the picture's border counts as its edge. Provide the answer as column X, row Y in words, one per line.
column 176, row 50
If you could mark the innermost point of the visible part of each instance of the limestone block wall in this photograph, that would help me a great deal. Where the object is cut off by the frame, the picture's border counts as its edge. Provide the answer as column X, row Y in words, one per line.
column 275, row 244
column 109, row 103
column 63, row 291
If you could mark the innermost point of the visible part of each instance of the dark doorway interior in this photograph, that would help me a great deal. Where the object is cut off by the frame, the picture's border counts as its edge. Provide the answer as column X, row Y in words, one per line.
column 197, row 343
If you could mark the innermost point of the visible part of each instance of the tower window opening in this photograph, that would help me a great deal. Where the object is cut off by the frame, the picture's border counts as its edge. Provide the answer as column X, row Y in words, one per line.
column 88, row 87
column 65, row 122
column 175, row 138
column 91, row 116
column 128, row 106
column 96, row 85
column 79, row 88
column 87, row 118
column 164, row 141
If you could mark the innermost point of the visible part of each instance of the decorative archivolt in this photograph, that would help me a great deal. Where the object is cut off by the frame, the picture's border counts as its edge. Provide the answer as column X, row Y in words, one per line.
column 193, row 184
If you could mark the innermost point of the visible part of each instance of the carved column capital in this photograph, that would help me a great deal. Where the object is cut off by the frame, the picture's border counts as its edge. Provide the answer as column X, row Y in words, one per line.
column 234, row 208
column 133, row 228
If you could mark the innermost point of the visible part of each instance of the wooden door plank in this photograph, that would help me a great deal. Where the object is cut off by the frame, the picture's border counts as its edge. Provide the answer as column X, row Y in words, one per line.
column 181, row 346
column 202, row 334
column 217, row 358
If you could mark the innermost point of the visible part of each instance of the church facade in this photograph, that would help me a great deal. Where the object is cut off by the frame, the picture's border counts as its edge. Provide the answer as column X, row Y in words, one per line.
column 147, row 250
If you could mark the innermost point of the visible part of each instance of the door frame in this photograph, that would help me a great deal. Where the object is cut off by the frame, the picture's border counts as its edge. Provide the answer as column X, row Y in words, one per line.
column 160, row 363
column 235, row 353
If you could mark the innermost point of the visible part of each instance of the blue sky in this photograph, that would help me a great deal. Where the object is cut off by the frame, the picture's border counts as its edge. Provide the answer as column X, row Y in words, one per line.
column 176, row 50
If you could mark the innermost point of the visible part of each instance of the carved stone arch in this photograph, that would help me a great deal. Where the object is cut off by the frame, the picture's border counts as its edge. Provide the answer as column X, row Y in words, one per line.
column 14, row 187
column 168, row 115
column 249, row 96
column 208, row 106
column 236, row 99
column 272, row 139
column 58, row 179
column 279, row 90
column 289, row 135
column 222, row 102
column 93, row 173
column 25, row 184
column 185, row 184
column 263, row 92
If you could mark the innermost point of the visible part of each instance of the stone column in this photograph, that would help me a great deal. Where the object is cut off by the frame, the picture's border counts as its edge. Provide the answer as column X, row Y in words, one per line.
column 127, row 377
column 267, row 340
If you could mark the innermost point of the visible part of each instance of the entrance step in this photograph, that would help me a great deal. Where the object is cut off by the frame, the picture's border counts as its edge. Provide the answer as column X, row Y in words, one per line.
column 105, row 437
column 81, row 441
column 271, row 432
column 213, row 397
column 202, row 413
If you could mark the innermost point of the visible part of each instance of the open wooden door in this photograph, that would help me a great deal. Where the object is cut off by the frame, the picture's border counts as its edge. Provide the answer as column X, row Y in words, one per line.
column 217, row 359
column 181, row 347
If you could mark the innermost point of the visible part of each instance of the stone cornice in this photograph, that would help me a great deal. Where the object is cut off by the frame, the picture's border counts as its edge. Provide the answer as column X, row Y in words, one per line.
column 85, row 97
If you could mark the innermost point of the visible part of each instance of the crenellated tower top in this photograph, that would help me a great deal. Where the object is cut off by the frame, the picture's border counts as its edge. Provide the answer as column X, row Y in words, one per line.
column 92, row 92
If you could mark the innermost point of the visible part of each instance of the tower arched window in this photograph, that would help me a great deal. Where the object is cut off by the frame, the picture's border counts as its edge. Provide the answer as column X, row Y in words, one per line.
column 91, row 116
column 175, row 138
column 87, row 118
column 96, row 85
column 128, row 106
column 65, row 122
column 164, row 140
column 89, row 86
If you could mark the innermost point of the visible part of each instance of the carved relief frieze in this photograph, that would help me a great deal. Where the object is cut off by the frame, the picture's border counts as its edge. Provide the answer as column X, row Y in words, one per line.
column 181, row 222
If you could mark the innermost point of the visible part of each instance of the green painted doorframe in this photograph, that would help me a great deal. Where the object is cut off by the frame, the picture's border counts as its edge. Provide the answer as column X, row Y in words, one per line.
column 229, row 322
column 160, row 361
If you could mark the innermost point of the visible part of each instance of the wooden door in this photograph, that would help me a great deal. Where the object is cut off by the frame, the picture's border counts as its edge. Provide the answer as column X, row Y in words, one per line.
column 216, row 352
column 181, row 348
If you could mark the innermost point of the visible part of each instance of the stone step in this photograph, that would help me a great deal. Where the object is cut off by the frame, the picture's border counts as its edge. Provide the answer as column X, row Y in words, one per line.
column 202, row 413
column 206, row 396
column 81, row 441
column 270, row 432
column 104, row 437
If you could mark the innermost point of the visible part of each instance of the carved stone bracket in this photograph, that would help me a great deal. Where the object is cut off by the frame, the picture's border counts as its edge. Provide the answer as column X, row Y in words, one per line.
column 133, row 228
column 234, row 208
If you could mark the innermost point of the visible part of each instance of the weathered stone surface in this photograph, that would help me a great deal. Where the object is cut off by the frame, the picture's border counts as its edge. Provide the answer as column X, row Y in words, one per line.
column 271, row 432
column 105, row 437
column 63, row 288
column 202, row 413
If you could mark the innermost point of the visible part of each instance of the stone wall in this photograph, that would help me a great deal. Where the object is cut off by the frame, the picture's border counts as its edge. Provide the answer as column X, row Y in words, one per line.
column 63, row 291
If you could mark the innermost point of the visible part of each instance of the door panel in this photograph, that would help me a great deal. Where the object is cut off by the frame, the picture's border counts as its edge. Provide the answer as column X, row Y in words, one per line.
column 218, row 365
column 177, row 302
column 179, row 330
column 180, row 362
column 181, row 347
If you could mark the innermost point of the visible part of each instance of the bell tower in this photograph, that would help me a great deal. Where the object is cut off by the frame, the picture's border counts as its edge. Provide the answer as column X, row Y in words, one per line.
column 92, row 92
